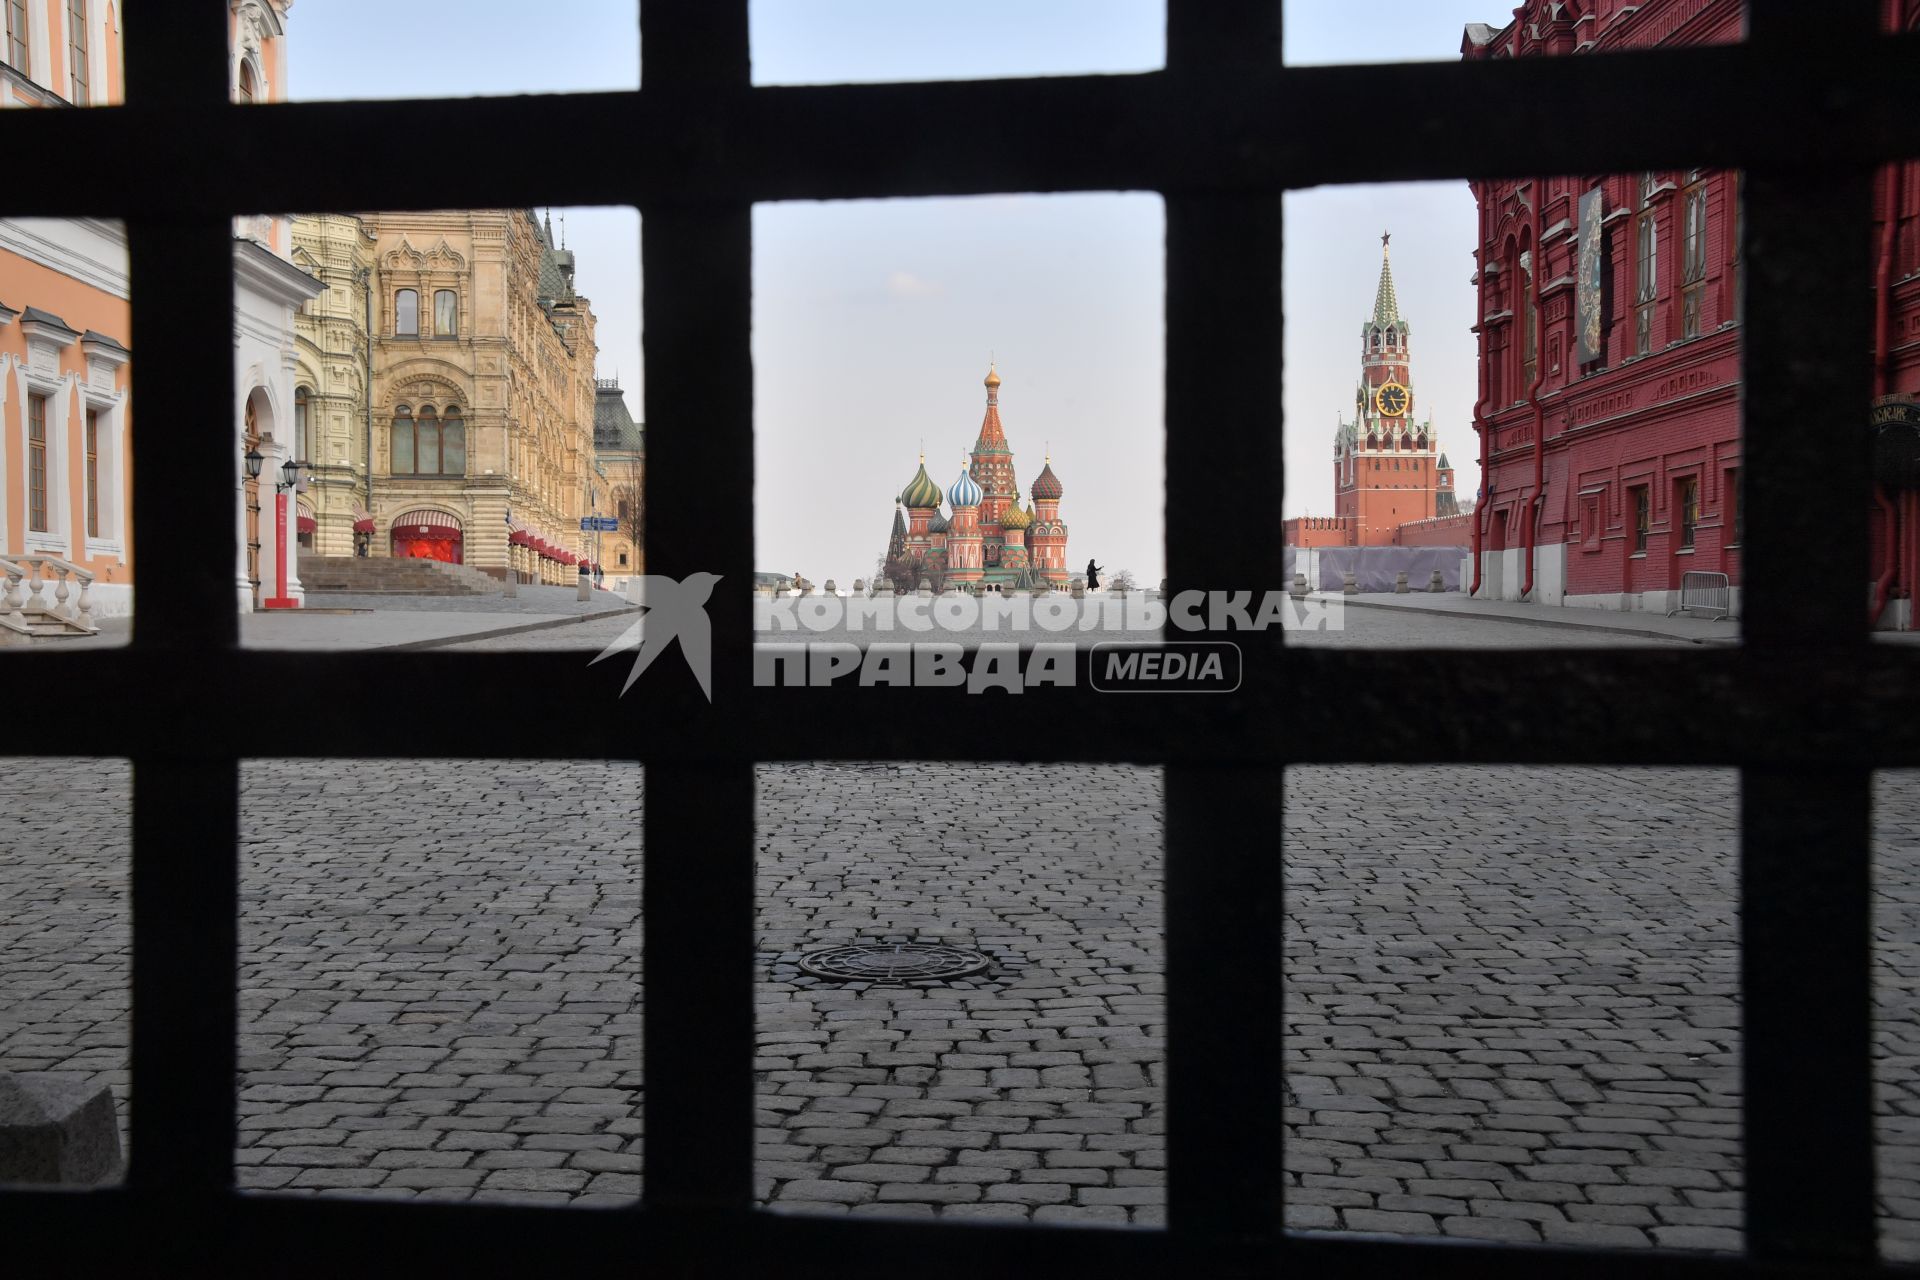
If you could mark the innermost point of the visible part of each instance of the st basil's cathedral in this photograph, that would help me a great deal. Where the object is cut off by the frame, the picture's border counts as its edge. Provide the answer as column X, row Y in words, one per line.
column 985, row 541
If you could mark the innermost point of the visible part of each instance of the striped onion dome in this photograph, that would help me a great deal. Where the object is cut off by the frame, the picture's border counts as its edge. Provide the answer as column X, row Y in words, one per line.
column 1046, row 485
column 1014, row 518
column 965, row 493
column 921, row 491
column 939, row 523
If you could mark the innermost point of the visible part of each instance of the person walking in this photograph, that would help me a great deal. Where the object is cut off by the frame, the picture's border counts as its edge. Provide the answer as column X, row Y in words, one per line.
column 1093, row 576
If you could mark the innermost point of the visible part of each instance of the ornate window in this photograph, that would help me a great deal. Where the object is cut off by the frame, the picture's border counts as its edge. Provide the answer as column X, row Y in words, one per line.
column 406, row 313
column 1693, row 257
column 1687, row 498
column 247, row 86
column 446, row 323
column 37, row 463
column 402, row 441
column 17, row 34
column 427, row 444
column 77, row 50
column 1642, row 516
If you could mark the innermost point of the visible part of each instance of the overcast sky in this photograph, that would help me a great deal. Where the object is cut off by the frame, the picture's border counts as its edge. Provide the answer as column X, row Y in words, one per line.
column 874, row 320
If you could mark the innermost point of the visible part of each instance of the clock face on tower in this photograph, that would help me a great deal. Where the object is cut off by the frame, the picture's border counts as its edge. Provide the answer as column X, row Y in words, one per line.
column 1391, row 399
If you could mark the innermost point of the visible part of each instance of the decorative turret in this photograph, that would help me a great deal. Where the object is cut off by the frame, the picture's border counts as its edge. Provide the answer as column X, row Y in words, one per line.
column 921, row 491
column 964, row 562
column 1383, row 461
column 1047, row 536
column 992, row 460
column 965, row 493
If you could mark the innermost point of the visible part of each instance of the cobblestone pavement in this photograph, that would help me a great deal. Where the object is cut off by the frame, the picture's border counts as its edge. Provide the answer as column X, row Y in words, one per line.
column 1036, row 1094
column 1511, row 1000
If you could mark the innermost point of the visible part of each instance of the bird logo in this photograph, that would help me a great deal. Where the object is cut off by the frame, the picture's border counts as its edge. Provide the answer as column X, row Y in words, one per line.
column 670, row 610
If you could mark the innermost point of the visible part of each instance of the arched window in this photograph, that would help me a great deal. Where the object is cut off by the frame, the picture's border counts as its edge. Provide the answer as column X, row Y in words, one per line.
column 453, row 444
column 446, row 321
column 248, row 87
column 1376, row 342
column 406, row 312
column 426, row 449
column 1373, row 442
column 302, row 440
column 402, row 441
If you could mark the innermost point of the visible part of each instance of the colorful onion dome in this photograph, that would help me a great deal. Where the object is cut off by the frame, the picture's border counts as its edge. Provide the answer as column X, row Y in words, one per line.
column 965, row 493
column 1014, row 518
column 1046, row 485
column 921, row 491
column 939, row 524
column 993, row 379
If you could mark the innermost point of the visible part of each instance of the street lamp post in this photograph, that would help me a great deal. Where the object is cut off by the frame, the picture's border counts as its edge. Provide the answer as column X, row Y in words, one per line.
column 289, row 479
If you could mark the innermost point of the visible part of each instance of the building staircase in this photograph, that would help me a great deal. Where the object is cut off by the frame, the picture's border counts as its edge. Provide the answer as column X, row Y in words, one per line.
column 44, row 598
column 381, row 575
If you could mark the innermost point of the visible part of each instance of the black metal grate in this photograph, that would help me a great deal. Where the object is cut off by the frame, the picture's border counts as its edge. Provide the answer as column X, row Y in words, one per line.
column 895, row 962
column 1806, row 707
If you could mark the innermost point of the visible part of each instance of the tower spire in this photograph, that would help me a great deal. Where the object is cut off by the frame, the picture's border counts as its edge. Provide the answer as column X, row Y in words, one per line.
column 1386, row 307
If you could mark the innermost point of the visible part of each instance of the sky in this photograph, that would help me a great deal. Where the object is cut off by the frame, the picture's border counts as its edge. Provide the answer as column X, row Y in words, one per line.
column 874, row 320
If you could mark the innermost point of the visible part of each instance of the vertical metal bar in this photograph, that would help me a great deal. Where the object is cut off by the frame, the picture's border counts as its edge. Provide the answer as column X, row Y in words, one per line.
column 1223, row 878
column 185, row 808
column 1224, row 1021
column 697, row 263
column 1805, row 911
column 1209, row 37
column 185, row 944
column 1808, row 375
column 1805, row 963
column 184, row 481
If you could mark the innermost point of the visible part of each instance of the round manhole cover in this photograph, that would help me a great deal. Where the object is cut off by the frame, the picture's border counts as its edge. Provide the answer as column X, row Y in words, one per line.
column 893, row 962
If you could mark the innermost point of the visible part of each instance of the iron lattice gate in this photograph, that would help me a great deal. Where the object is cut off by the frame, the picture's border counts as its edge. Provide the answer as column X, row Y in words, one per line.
column 1807, row 708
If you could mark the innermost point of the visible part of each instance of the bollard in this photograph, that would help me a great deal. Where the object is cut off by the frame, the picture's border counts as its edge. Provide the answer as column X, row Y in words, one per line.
column 1400, row 583
column 859, row 587
column 1350, row 584
column 585, row 590
column 56, row 1131
column 1079, row 588
column 513, row 583
column 831, row 589
column 1299, row 588
column 926, row 587
column 1434, row 584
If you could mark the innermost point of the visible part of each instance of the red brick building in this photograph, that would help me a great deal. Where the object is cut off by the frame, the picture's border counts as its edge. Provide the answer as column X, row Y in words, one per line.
column 1388, row 469
column 1609, row 332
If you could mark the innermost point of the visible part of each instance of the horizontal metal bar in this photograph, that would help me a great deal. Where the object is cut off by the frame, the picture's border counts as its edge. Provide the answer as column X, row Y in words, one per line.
column 1245, row 131
column 1587, row 706
column 100, row 1232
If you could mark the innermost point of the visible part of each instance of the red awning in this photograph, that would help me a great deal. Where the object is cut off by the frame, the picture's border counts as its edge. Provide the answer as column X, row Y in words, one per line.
column 518, row 537
column 566, row 557
column 308, row 524
column 363, row 526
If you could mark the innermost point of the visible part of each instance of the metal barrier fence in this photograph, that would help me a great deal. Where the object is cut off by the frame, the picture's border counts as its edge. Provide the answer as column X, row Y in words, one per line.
column 1710, row 594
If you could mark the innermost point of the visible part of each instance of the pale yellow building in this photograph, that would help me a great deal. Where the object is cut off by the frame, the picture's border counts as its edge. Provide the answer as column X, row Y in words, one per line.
column 333, row 386
column 483, row 392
